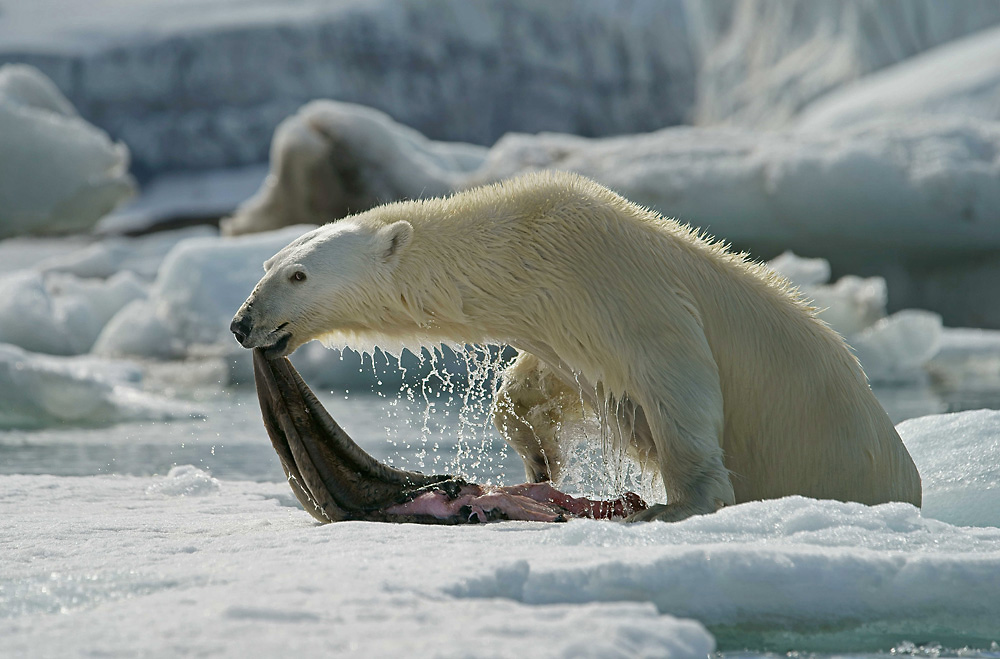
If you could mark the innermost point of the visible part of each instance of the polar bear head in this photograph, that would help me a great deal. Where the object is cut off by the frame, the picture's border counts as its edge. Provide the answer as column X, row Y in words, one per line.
column 328, row 279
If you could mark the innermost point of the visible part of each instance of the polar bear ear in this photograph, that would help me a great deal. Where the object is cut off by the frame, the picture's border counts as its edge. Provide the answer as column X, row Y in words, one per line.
column 393, row 239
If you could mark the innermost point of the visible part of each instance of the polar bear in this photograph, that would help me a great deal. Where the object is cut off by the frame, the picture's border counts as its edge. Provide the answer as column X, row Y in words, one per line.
column 709, row 367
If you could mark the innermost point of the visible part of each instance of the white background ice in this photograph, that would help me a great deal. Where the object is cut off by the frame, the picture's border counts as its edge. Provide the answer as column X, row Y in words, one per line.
column 38, row 391
column 241, row 66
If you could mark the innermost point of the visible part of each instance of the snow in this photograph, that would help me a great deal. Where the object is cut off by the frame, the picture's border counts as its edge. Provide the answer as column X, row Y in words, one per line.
column 143, row 511
column 98, row 298
column 960, row 78
column 967, row 355
column 219, row 567
column 59, row 300
column 39, row 390
column 926, row 184
column 898, row 348
column 768, row 60
column 58, row 173
column 925, row 188
column 112, row 254
column 922, row 185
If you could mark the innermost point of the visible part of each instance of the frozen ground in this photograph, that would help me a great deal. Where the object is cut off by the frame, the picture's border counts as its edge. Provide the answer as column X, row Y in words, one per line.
column 172, row 517
column 142, row 509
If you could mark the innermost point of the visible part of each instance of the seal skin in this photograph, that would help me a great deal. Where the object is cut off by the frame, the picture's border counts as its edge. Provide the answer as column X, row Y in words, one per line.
column 330, row 475
column 336, row 480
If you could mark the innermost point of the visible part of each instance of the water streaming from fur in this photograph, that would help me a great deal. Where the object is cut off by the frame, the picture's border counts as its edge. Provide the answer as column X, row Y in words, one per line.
column 444, row 384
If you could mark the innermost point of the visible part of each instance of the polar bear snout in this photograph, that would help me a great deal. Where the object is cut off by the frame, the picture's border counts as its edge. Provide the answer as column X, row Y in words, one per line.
column 241, row 328
column 276, row 342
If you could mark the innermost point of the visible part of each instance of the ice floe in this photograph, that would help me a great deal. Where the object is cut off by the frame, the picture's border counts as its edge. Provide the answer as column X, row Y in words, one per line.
column 41, row 390
column 958, row 456
column 194, row 563
column 200, row 284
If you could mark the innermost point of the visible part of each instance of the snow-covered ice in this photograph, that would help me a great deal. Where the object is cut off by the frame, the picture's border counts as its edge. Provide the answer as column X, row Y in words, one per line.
column 960, row 78
column 929, row 183
column 58, row 173
column 112, row 254
column 59, row 300
column 61, row 314
column 925, row 188
column 894, row 348
column 203, row 84
column 231, row 568
column 925, row 184
column 142, row 509
column 184, row 196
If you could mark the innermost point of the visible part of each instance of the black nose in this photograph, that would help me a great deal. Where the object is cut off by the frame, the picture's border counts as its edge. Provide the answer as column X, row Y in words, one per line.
column 240, row 328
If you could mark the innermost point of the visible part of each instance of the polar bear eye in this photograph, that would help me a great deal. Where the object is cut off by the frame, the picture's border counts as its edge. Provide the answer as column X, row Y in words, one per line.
column 298, row 275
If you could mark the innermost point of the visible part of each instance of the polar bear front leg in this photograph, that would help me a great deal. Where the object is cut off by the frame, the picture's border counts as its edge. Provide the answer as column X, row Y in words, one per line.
column 528, row 409
column 680, row 413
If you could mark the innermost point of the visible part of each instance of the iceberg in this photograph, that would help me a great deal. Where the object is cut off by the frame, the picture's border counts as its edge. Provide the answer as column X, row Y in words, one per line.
column 892, row 349
column 61, row 314
column 58, row 173
column 186, row 557
column 199, row 284
column 919, row 186
column 331, row 159
column 924, row 188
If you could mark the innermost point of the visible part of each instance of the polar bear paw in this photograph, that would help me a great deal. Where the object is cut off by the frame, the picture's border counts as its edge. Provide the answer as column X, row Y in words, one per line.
column 671, row 512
